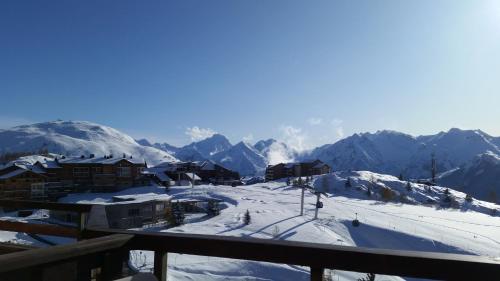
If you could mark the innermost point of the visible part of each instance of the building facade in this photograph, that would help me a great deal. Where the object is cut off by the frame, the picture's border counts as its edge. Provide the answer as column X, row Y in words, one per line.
column 298, row 169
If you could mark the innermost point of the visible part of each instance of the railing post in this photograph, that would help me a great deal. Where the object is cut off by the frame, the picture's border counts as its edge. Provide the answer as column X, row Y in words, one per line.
column 82, row 223
column 160, row 265
column 317, row 273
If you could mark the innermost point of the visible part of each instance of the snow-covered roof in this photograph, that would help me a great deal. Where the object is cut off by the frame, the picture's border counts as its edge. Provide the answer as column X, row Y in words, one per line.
column 163, row 177
column 100, row 160
column 190, row 176
column 21, row 170
column 319, row 165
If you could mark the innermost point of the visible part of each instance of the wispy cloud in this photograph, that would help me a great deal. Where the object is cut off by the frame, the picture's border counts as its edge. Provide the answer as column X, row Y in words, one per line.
column 313, row 121
column 7, row 122
column 339, row 129
column 248, row 138
column 196, row 133
column 294, row 137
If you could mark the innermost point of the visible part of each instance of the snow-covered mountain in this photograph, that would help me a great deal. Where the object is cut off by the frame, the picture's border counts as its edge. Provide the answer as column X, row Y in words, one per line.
column 275, row 152
column 394, row 153
column 479, row 178
column 205, row 148
column 76, row 138
column 243, row 158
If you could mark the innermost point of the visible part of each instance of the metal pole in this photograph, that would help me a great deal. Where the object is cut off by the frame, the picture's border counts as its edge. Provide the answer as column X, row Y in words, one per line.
column 302, row 202
column 317, row 202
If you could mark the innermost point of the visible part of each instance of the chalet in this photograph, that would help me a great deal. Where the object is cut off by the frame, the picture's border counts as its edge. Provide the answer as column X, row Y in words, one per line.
column 211, row 172
column 99, row 174
column 49, row 179
column 22, row 182
column 184, row 173
column 121, row 213
column 299, row 169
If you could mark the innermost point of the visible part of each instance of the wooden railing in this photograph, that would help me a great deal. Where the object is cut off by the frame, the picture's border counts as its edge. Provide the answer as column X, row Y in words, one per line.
column 107, row 250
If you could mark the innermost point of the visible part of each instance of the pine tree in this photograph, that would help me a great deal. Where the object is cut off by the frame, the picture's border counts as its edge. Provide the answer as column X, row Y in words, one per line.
column 401, row 177
column 468, row 198
column 408, row 186
column 247, row 218
column 447, row 191
column 213, row 208
column 348, row 183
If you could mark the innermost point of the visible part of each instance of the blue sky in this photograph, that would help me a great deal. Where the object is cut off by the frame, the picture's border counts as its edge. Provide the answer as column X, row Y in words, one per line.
column 307, row 72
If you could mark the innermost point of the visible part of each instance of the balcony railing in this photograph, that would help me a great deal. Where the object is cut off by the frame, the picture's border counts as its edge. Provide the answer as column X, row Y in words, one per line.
column 107, row 250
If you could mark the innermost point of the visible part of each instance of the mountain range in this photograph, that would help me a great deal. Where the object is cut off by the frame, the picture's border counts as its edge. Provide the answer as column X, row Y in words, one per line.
column 467, row 160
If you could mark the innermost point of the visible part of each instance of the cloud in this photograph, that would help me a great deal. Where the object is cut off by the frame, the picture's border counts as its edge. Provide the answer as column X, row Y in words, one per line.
column 294, row 138
column 248, row 138
column 196, row 133
column 340, row 132
column 337, row 122
column 278, row 153
column 7, row 122
column 314, row 121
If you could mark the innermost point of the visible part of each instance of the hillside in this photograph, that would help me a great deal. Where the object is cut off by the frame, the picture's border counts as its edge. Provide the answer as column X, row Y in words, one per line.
column 76, row 138
column 394, row 153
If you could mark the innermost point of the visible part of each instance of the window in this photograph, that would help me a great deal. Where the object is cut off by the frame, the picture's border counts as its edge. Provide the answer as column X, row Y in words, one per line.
column 97, row 170
column 81, row 172
column 133, row 212
column 160, row 207
column 123, row 171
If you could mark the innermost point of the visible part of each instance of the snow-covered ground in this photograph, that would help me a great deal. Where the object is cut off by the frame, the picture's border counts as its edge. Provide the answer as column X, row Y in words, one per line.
column 275, row 207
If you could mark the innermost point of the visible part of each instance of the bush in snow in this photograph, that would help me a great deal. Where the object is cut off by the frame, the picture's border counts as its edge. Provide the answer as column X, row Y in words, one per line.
column 369, row 192
column 348, row 183
column 247, row 218
column 447, row 191
column 175, row 214
column 408, row 186
column 388, row 194
column 468, row 198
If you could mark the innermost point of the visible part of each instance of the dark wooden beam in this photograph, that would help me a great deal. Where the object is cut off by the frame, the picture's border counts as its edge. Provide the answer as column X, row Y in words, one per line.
column 46, row 229
column 7, row 248
column 62, row 253
column 380, row 261
column 27, row 204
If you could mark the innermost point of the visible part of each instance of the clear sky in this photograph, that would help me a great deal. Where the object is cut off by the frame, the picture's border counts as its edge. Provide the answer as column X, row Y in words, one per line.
column 308, row 72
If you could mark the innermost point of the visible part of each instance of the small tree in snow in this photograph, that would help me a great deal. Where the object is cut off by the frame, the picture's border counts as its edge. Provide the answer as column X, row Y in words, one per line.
column 247, row 218
column 468, row 198
column 401, row 177
column 387, row 194
column 408, row 186
column 369, row 191
column 348, row 183
column 446, row 191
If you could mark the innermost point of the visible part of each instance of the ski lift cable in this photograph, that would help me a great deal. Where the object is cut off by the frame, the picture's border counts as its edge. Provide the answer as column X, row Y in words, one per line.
column 430, row 223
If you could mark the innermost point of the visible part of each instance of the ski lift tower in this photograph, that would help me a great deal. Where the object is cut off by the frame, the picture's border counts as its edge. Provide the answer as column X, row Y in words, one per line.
column 319, row 204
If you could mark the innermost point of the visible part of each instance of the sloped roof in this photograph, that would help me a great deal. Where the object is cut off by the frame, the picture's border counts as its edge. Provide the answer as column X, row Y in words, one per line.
column 100, row 160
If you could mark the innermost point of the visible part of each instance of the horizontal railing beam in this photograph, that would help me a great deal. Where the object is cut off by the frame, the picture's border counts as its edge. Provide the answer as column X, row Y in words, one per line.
column 36, row 228
column 27, row 204
column 380, row 261
column 62, row 253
